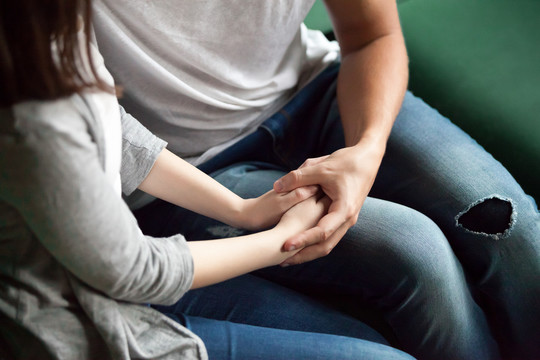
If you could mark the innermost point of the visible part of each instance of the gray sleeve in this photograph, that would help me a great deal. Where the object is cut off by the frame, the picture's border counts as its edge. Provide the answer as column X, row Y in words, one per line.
column 140, row 149
column 50, row 173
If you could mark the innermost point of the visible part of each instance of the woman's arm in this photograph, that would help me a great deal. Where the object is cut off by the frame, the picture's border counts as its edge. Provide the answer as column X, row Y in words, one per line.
column 218, row 260
column 176, row 181
column 147, row 165
column 52, row 176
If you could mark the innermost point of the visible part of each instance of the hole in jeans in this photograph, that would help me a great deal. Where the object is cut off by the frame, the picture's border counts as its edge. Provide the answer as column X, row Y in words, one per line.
column 492, row 216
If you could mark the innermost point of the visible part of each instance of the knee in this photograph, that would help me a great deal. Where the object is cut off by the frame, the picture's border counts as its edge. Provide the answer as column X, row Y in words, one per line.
column 408, row 245
column 499, row 239
column 426, row 257
column 493, row 217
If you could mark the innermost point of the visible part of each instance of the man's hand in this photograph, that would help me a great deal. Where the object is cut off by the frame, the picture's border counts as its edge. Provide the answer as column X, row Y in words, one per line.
column 266, row 210
column 371, row 84
column 346, row 177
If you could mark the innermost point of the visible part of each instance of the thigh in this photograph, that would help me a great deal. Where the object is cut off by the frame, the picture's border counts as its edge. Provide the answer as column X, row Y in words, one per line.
column 492, row 225
column 399, row 262
column 227, row 340
column 434, row 167
column 395, row 260
column 255, row 301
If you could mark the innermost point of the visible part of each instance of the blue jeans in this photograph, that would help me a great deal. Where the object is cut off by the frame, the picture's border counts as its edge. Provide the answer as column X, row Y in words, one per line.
column 446, row 248
column 252, row 318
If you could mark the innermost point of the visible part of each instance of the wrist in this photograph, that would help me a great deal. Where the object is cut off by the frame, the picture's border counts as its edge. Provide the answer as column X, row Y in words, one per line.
column 288, row 227
column 372, row 133
column 273, row 245
column 375, row 144
column 238, row 214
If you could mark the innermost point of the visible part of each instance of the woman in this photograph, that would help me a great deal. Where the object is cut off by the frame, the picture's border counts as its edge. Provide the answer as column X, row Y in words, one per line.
column 75, row 269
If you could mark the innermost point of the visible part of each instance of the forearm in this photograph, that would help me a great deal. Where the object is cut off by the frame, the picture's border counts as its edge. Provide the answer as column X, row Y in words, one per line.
column 371, row 86
column 370, row 89
column 374, row 71
column 174, row 180
column 218, row 260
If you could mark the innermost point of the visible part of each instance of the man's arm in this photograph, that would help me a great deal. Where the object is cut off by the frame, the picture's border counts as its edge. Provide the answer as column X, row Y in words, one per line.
column 371, row 86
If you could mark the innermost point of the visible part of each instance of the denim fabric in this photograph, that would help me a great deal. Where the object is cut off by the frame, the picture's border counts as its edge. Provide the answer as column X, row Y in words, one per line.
column 425, row 253
column 227, row 340
column 289, row 325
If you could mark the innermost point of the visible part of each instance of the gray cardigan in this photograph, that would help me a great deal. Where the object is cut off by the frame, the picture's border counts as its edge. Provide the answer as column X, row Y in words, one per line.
column 74, row 266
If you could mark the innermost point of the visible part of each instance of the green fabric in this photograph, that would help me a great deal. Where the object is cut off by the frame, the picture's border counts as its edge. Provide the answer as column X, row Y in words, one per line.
column 318, row 18
column 478, row 63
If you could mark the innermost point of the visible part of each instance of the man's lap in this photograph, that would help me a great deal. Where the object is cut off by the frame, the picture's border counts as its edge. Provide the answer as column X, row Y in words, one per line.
column 390, row 244
column 430, row 166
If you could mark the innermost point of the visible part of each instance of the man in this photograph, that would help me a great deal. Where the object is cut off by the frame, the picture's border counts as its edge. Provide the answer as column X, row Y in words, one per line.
column 248, row 94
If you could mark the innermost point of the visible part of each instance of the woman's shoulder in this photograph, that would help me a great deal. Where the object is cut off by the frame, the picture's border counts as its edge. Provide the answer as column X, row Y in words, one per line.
column 37, row 135
column 61, row 115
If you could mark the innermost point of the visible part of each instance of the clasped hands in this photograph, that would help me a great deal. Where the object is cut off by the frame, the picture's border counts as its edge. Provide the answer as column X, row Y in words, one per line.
column 323, row 197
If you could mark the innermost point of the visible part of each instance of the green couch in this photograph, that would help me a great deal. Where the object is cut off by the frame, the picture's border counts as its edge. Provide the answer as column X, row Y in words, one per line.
column 478, row 63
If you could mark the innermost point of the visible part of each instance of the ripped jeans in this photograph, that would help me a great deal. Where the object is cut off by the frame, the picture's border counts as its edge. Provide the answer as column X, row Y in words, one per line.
column 446, row 249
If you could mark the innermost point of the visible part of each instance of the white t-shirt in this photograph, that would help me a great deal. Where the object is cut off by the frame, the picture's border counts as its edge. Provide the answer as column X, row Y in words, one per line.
column 203, row 74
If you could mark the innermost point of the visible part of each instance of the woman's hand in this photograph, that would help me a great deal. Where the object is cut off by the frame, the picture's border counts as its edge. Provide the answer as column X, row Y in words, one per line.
column 304, row 215
column 266, row 210
column 254, row 251
column 176, row 181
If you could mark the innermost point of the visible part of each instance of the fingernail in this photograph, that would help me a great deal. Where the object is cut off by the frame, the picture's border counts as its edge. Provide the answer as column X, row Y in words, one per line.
column 292, row 248
column 285, row 265
column 278, row 186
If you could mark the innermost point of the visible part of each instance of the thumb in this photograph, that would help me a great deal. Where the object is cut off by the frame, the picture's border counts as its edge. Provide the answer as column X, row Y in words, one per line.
column 295, row 179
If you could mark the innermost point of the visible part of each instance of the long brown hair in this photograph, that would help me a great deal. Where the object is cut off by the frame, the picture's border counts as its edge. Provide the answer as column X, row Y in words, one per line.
column 30, row 67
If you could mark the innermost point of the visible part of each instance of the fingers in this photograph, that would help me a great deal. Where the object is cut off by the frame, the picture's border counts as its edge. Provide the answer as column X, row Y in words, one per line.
column 326, row 226
column 320, row 240
column 317, row 250
column 313, row 161
column 299, row 194
column 312, row 233
column 306, row 238
column 297, row 178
